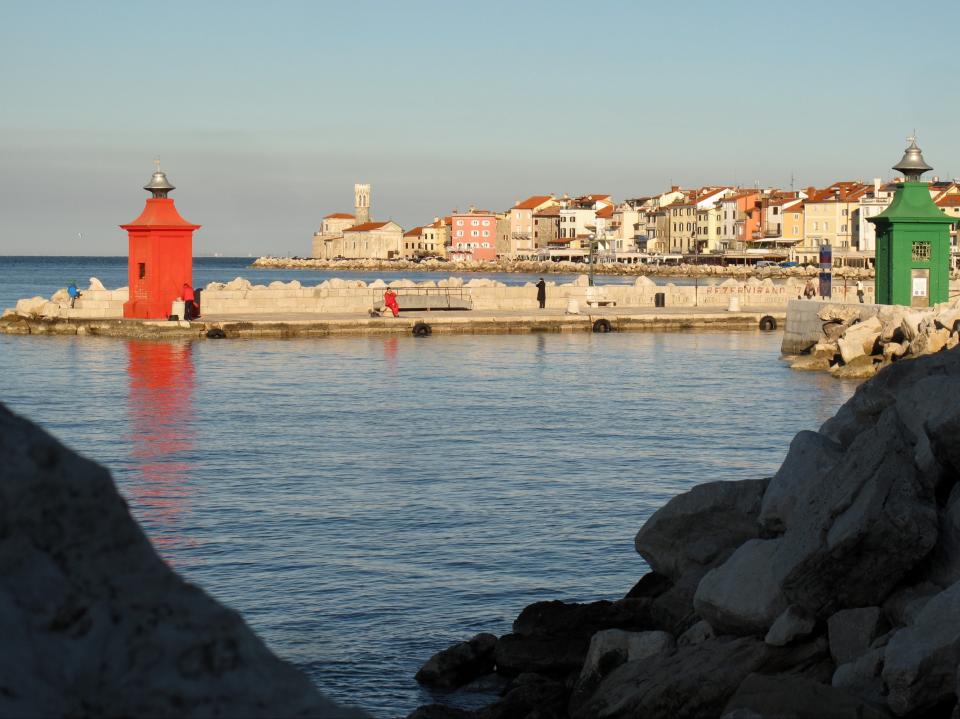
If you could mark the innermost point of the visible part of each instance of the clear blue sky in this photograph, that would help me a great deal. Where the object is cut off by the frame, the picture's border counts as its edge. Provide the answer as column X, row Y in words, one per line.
column 265, row 114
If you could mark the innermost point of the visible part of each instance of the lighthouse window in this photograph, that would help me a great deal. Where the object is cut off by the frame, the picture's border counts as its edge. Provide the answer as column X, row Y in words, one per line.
column 142, row 267
column 921, row 252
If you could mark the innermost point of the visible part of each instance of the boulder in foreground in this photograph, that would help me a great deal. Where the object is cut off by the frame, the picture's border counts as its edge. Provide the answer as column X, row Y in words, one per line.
column 94, row 623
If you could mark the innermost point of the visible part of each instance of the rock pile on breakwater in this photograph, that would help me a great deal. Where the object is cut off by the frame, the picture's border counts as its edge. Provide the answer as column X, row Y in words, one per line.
column 831, row 589
column 564, row 267
column 94, row 623
column 859, row 341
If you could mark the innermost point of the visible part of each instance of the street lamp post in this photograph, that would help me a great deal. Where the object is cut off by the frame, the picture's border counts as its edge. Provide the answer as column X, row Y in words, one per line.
column 593, row 257
column 696, row 267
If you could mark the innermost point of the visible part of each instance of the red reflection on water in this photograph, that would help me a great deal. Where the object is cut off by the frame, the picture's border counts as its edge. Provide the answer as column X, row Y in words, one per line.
column 390, row 345
column 161, row 377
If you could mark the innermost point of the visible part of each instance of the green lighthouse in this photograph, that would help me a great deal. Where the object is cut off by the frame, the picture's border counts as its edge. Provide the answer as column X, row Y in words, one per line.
column 913, row 241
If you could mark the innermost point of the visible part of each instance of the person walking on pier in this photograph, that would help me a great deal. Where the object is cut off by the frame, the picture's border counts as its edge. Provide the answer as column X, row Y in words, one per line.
column 860, row 291
column 542, row 293
column 189, row 303
column 809, row 290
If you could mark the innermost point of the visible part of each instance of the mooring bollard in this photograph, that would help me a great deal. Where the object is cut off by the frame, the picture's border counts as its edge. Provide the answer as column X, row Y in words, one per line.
column 734, row 305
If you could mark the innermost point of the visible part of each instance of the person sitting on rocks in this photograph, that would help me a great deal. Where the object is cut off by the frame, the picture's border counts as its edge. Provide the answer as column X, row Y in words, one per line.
column 74, row 294
column 390, row 302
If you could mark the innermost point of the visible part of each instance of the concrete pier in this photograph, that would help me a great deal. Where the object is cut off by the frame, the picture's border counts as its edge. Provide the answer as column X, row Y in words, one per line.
column 284, row 325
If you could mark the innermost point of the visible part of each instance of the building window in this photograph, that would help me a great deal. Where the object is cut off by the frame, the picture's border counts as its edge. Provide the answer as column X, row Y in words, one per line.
column 486, row 233
column 142, row 269
column 486, row 244
column 920, row 251
column 459, row 233
column 459, row 222
column 474, row 233
column 796, row 230
column 776, row 210
column 816, row 227
column 475, row 223
column 486, row 223
column 826, row 226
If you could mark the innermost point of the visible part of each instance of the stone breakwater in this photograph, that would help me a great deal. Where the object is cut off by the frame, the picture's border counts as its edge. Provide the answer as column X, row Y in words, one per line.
column 564, row 267
column 94, row 622
column 830, row 590
column 856, row 341
column 337, row 296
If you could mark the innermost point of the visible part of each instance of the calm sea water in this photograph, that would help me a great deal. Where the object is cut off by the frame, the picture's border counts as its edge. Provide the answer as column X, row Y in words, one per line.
column 365, row 502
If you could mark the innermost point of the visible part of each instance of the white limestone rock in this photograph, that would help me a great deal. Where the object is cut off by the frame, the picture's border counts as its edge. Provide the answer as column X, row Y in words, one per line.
column 859, row 339
column 95, row 285
column 378, row 284
column 30, row 306
column 238, row 283
column 644, row 281
column 94, row 623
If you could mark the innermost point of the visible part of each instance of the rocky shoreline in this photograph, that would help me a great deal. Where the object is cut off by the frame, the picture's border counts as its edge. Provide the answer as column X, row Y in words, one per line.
column 550, row 267
column 831, row 589
column 858, row 341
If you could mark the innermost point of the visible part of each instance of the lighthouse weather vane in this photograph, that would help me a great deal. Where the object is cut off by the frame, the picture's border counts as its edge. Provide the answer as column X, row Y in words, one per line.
column 156, row 161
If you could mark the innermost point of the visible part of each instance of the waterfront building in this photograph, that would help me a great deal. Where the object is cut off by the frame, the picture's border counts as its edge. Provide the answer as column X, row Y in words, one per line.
column 372, row 241
column 741, row 219
column 473, row 235
column 829, row 219
column 411, row 238
column 683, row 227
column 629, row 223
column 160, row 253
column 355, row 236
column 546, row 227
column 791, row 224
column 950, row 206
column 871, row 204
column 708, row 229
column 522, row 239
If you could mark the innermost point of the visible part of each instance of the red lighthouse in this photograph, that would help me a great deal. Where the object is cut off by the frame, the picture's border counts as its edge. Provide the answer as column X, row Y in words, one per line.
column 160, row 254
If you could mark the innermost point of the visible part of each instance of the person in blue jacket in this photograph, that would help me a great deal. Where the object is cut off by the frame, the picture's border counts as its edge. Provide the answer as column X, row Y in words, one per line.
column 74, row 293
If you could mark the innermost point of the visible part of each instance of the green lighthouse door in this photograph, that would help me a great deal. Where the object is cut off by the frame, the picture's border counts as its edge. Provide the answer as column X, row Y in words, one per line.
column 920, row 288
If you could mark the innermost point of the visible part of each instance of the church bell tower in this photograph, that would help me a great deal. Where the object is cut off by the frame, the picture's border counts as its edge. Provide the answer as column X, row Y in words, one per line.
column 361, row 203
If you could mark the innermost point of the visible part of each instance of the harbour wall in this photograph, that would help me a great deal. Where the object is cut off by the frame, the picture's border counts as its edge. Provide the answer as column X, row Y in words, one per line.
column 339, row 296
column 348, row 296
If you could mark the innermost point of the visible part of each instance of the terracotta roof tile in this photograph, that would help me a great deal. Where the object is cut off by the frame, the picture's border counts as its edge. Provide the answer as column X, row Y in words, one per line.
column 339, row 216
column 531, row 202
column 605, row 211
column 365, row 227
column 415, row 232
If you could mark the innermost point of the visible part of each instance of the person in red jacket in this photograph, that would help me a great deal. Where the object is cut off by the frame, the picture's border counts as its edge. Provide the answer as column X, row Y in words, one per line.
column 390, row 302
column 189, row 303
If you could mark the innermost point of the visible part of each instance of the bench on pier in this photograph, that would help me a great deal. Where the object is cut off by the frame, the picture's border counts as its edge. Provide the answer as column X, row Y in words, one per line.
column 594, row 297
column 426, row 299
